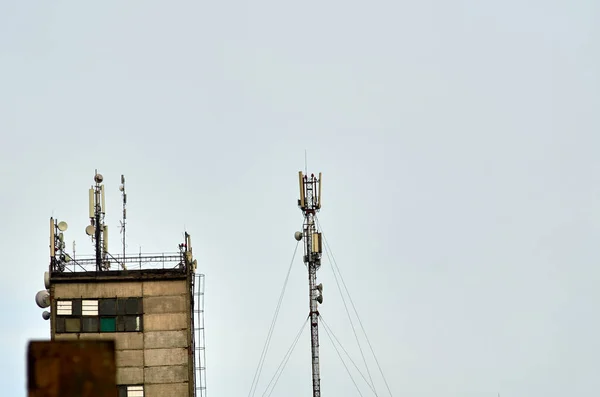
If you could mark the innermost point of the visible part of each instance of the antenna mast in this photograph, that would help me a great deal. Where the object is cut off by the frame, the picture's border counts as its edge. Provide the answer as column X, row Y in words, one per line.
column 98, row 230
column 310, row 203
column 122, row 189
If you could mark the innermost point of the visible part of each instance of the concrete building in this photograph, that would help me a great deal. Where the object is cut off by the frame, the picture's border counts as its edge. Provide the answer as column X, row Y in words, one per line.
column 149, row 315
column 150, row 305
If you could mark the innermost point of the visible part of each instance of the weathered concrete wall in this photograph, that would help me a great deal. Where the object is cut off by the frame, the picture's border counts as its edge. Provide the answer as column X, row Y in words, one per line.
column 130, row 375
column 165, row 304
column 160, row 356
column 166, row 374
column 167, row 390
column 162, row 288
column 166, row 338
column 166, row 321
column 98, row 290
column 130, row 358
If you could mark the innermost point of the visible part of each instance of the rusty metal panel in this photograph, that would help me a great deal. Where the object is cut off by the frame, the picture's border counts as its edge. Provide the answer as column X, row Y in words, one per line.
column 71, row 369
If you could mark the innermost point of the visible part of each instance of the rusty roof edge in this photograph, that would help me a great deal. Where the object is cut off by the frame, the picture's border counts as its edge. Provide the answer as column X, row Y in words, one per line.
column 119, row 275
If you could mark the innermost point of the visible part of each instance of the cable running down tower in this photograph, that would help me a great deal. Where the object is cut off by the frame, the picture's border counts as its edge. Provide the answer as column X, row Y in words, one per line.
column 310, row 203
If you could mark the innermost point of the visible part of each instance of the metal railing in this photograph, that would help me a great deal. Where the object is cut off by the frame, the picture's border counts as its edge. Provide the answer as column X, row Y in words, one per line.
column 120, row 262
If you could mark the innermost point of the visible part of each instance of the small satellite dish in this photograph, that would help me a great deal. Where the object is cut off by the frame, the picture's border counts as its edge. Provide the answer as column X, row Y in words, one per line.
column 46, row 315
column 98, row 178
column 121, row 187
column 298, row 236
column 89, row 230
column 320, row 299
column 47, row 280
column 42, row 298
column 62, row 226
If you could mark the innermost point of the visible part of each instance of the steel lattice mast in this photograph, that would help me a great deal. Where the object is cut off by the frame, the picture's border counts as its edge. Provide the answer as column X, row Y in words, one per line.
column 310, row 203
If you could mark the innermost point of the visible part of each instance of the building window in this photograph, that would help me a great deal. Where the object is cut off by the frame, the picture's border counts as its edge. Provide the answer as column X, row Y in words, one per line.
column 64, row 308
column 108, row 324
column 131, row 391
column 99, row 315
column 89, row 308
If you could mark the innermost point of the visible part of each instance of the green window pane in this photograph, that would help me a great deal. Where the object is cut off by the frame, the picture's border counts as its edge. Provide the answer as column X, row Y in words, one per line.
column 108, row 324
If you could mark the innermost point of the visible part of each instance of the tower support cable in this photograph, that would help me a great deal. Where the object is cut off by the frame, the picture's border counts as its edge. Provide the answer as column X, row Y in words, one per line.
column 342, row 360
column 263, row 355
column 328, row 329
column 334, row 262
column 284, row 361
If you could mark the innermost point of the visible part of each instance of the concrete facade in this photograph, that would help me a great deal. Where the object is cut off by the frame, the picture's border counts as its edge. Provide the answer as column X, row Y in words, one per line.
column 161, row 356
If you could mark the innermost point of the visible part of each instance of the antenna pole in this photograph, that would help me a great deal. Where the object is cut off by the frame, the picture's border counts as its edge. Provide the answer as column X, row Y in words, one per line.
column 97, row 217
column 98, row 230
column 122, row 188
column 309, row 203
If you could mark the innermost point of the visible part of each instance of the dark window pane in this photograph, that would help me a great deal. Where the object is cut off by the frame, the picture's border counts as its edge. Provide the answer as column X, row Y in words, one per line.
column 120, row 324
column 60, row 325
column 77, row 307
column 133, row 323
column 108, row 324
column 107, row 307
column 121, row 305
column 122, row 391
column 90, row 324
column 72, row 324
column 134, row 306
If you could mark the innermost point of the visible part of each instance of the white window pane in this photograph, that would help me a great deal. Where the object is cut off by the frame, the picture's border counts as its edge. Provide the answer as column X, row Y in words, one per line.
column 89, row 308
column 64, row 308
column 135, row 391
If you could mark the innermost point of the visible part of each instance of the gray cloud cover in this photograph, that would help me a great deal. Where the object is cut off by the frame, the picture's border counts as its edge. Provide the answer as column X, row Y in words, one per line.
column 458, row 142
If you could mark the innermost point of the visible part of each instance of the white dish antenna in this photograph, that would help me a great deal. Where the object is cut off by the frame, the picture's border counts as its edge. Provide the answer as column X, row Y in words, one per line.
column 42, row 298
column 298, row 236
column 62, row 226
column 47, row 280
column 89, row 230
column 46, row 315
column 98, row 178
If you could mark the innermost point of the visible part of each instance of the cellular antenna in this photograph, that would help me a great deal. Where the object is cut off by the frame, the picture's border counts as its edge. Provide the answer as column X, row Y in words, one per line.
column 310, row 203
column 124, row 221
column 97, row 229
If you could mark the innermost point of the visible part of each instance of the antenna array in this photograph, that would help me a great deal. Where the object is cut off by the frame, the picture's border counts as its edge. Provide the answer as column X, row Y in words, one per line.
column 97, row 229
column 123, row 222
column 310, row 203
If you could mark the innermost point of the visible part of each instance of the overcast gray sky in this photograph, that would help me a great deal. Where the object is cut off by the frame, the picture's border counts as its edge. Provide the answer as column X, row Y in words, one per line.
column 459, row 145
